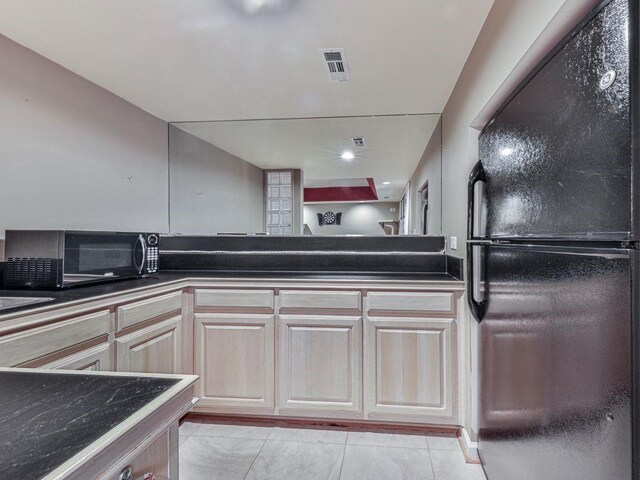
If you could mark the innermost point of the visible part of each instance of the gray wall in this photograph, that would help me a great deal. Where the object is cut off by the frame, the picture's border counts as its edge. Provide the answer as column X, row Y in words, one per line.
column 212, row 191
column 357, row 218
column 429, row 168
column 73, row 155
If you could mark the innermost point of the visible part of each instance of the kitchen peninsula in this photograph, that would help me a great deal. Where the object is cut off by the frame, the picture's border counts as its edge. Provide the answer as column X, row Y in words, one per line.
column 77, row 425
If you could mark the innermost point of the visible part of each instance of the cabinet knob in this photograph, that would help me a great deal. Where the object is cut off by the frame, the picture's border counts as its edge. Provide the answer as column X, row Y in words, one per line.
column 126, row 473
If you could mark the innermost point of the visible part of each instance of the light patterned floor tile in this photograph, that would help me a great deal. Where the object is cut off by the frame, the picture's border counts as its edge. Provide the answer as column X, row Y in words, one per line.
column 386, row 463
column 444, row 443
column 187, row 428
column 386, row 440
column 450, row 465
column 308, row 435
column 204, row 458
column 232, row 431
column 297, row 461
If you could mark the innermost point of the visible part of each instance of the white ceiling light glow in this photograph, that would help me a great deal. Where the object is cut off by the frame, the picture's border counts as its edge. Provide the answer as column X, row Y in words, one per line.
column 347, row 155
column 505, row 152
column 386, row 183
column 255, row 7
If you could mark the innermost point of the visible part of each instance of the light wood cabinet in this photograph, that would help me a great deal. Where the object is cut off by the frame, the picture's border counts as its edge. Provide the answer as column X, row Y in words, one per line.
column 45, row 344
column 154, row 349
column 409, row 367
column 411, row 303
column 234, row 357
column 320, row 366
column 231, row 300
column 320, row 300
column 352, row 351
column 95, row 359
column 136, row 313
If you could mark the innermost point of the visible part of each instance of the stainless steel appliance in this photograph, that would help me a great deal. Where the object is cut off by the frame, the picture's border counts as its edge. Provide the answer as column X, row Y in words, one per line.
column 62, row 258
column 553, row 262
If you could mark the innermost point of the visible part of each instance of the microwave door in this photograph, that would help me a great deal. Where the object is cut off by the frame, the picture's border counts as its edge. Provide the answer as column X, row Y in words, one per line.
column 93, row 256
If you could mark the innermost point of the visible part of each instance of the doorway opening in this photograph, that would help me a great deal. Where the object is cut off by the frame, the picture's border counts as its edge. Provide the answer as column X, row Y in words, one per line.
column 424, row 207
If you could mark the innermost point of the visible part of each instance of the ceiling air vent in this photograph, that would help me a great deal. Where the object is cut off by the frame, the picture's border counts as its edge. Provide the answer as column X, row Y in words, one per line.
column 336, row 64
column 358, row 141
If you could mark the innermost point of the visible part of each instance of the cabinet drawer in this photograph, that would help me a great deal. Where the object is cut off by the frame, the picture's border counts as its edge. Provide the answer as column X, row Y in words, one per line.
column 300, row 299
column 137, row 312
column 234, row 298
column 22, row 347
column 97, row 359
column 425, row 302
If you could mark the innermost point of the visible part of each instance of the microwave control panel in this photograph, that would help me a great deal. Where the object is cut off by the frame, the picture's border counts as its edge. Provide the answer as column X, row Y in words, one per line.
column 152, row 253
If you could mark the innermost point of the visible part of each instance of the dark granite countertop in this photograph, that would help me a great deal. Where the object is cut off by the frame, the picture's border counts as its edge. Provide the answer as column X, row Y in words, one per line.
column 47, row 418
column 87, row 292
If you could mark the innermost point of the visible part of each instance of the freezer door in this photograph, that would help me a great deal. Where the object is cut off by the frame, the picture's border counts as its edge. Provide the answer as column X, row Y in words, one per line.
column 555, row 364
column 557, row 158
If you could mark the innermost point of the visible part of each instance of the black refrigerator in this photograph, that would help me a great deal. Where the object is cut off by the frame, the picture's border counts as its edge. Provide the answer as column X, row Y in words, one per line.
column 552, row 262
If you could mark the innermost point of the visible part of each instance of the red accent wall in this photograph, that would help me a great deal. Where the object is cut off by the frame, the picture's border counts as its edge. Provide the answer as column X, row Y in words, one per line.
column 341, row 194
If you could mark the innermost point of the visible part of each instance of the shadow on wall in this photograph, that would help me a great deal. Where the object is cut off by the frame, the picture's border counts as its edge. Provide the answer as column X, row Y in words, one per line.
column 356, row 218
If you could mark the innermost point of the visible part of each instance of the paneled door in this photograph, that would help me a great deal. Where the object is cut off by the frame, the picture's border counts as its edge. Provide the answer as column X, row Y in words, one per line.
column 408, row 366
column 320, row 365
column 154, row 349
column 234, row 357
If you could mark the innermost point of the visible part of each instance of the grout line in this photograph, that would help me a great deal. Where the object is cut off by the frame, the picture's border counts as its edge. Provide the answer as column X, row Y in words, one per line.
column 388, row 446
column 254, row 460
column 431, row 461
column 344, row 454
column 310, row 442
column 232, row 438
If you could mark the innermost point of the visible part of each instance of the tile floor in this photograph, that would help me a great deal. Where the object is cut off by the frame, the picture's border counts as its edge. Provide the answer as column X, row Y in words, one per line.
column 235, row 452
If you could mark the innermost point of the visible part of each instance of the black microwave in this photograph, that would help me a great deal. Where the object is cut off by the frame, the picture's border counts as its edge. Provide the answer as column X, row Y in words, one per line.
column 63, row 258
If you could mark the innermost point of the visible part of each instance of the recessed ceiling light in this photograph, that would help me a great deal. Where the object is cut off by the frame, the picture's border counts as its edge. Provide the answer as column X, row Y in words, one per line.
column 254, row 7
column 347, row 155
column 386, row 183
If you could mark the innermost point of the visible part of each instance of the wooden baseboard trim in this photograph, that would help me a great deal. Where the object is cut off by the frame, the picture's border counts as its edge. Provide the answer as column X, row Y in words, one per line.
column 469, row 448
column 327, row 424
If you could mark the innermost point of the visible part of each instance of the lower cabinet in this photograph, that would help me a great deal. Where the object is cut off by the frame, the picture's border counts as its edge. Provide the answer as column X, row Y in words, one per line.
column 320, row 367
column 96, row 359
column 409, row 367
column 153, row 349
column 388, row 355
column 47, row 344
column 234, row 357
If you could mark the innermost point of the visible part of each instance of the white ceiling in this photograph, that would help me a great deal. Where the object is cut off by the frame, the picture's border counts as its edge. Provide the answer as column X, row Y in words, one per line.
column 393, row 146
column 186, row 60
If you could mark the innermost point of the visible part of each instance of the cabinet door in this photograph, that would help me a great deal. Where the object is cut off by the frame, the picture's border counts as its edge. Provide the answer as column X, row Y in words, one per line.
column 408, row 366
column 96, row 359
column 320, row 362
column 234, row 357
column 154, row 349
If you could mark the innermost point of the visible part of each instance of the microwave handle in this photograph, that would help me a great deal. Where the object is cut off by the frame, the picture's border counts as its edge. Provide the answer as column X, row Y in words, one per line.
column 143, row 245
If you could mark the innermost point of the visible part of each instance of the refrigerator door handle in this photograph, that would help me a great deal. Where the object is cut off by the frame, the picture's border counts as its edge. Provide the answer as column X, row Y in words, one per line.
column 478, row 308
column 477, row 175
